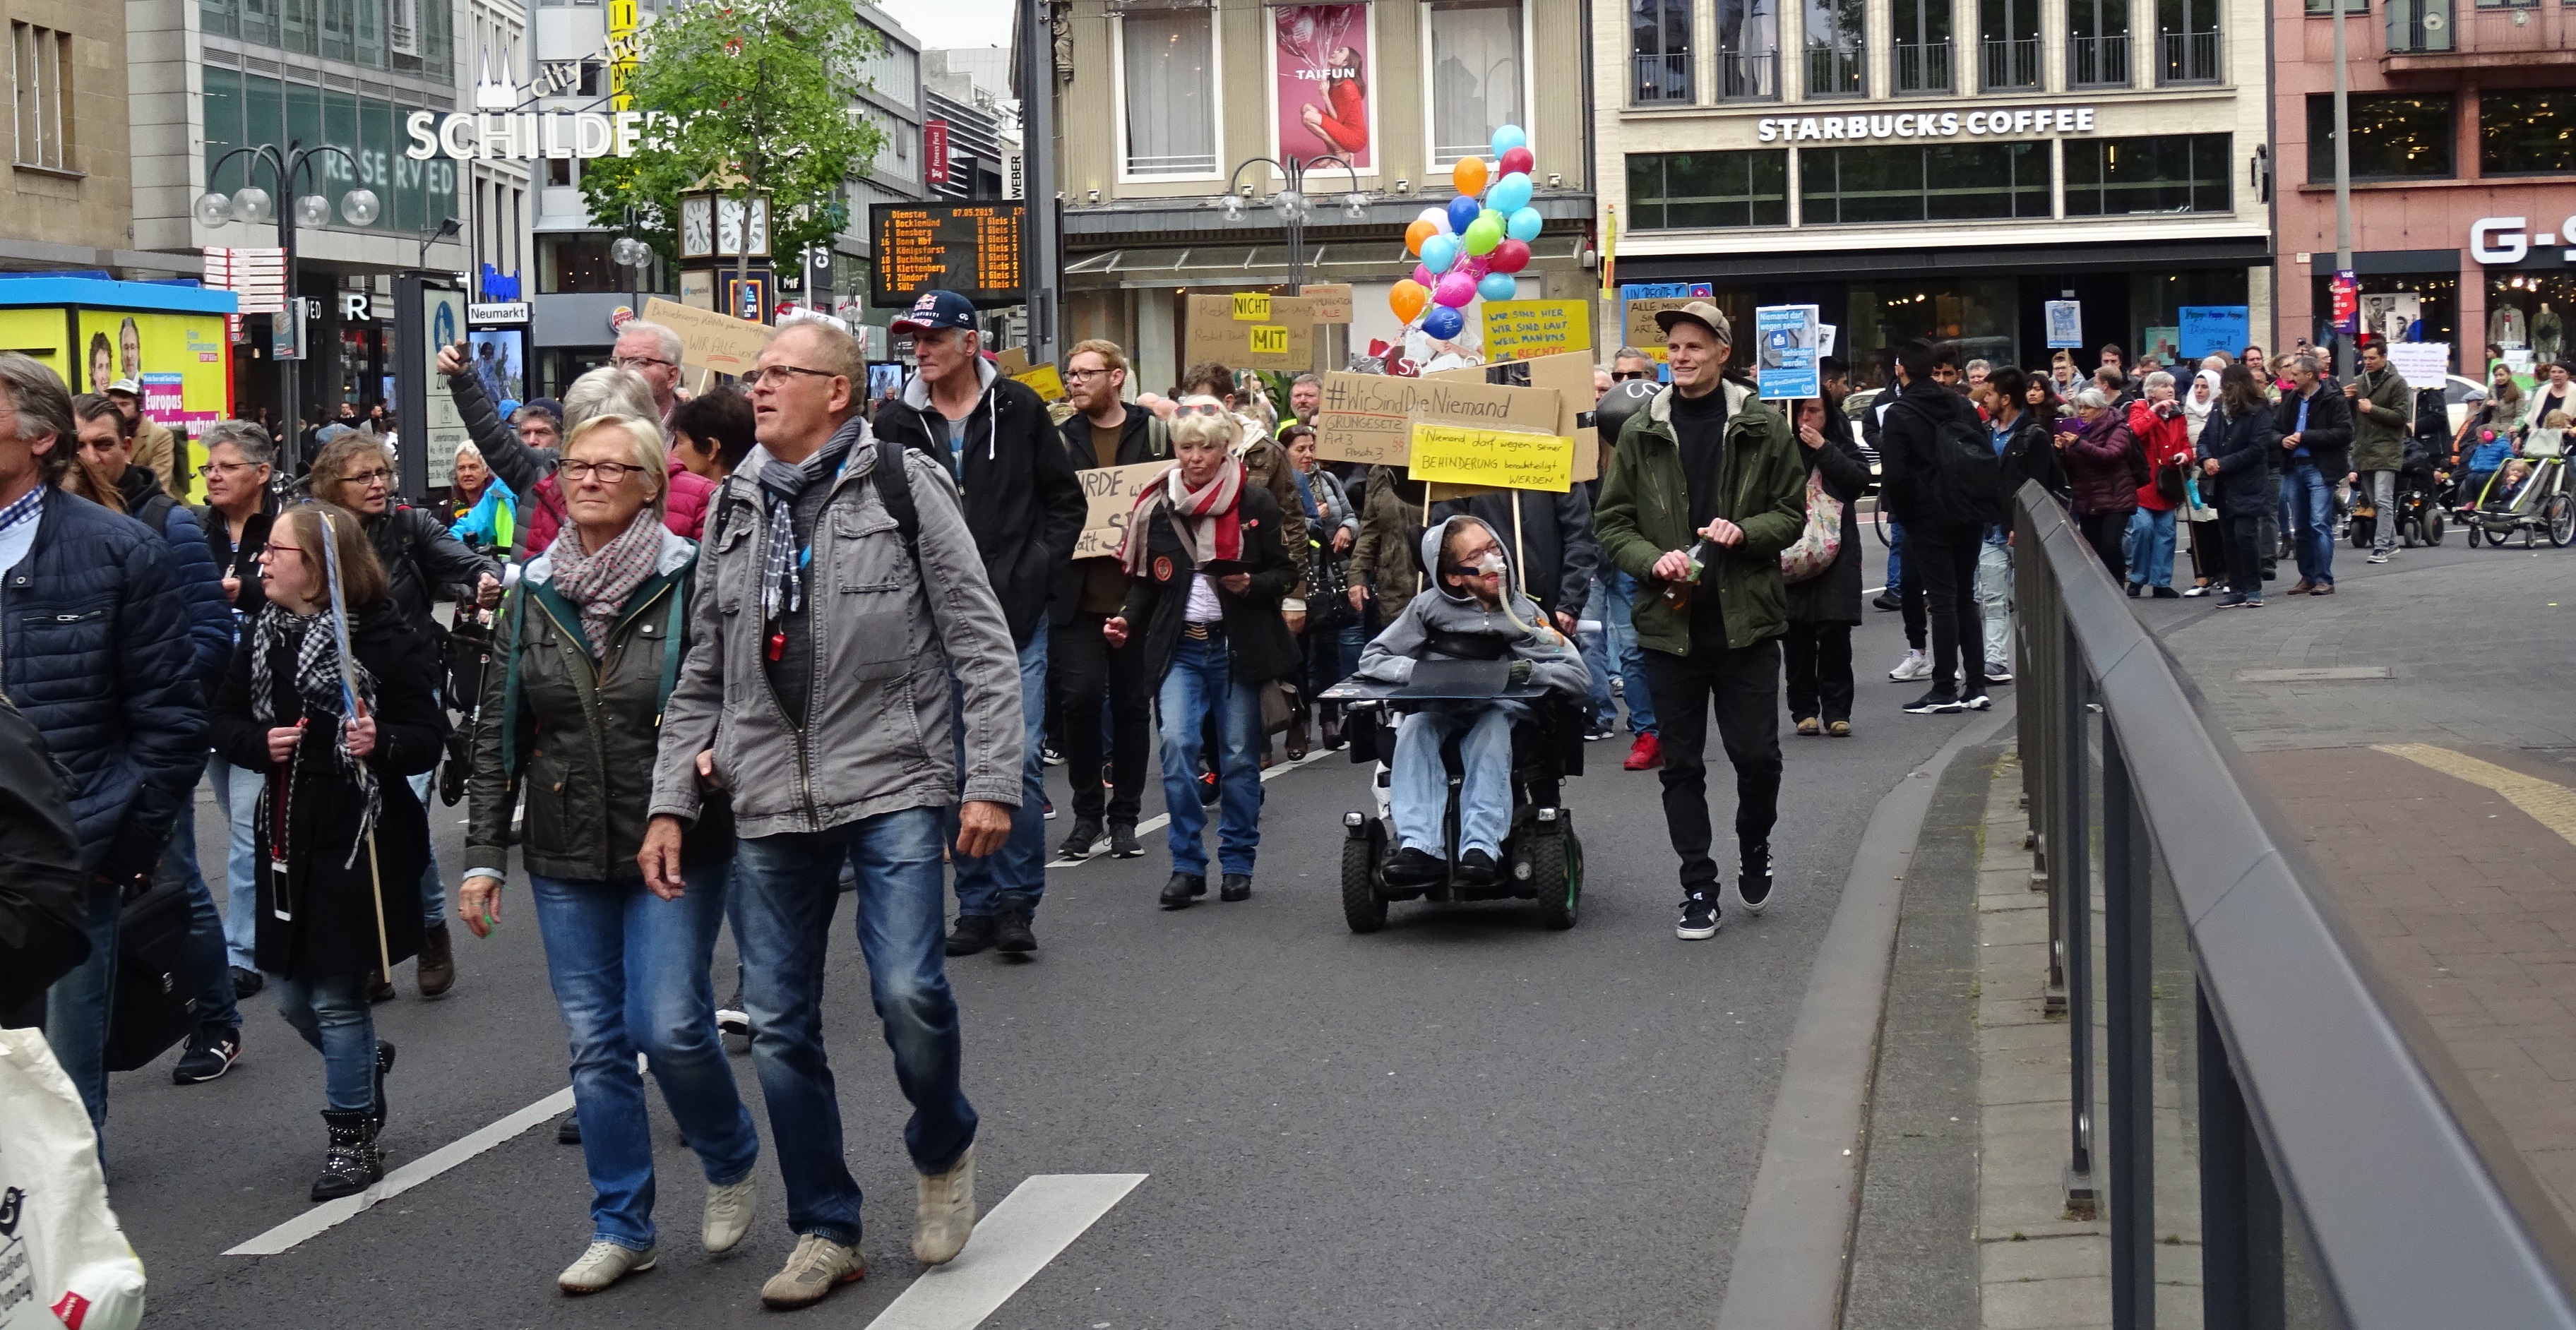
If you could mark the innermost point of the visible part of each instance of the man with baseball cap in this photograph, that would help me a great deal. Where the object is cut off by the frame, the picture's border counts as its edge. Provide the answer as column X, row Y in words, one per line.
column 1024, row 505
column 1711, row 632
column 155, row 448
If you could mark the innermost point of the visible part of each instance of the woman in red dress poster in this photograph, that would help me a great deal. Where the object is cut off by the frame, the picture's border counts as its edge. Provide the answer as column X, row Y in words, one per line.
column 1345, row 126
column 1323, row 49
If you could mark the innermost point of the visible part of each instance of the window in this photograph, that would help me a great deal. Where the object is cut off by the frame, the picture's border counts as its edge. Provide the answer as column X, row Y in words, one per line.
column 1475, row 75
column 1922, row 46
column 1950, row 182
column 41, row 72
column 1748, row 37
column 2187, row 46
column 562, row 171
column 2527, row 133
column 2418, row 25
column 2097, row 55
column 1169, row 67
column 2394, row 137
column 578, row 262
column 1836, row 32
column 2007, row 44
column 2173, row 173
column 1659, row 41
column 2325, row 8
column 1707, row 189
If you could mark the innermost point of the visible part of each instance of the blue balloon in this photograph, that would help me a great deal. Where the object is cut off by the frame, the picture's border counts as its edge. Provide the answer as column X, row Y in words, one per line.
column 1507, row 138
column 1509, row 194
column 1443, row 323
column 1498, row 286
column 1462, row 210
column 1523, row 226
column 1438, row 252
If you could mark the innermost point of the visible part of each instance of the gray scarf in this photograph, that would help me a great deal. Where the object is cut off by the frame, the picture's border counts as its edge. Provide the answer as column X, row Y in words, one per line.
column 782, row 581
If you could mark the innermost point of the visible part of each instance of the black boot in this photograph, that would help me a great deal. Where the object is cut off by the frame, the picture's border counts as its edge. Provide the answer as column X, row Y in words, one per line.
column 973, row 933
column 352, row 1166
column 1011, row 932
column 1182, row 889
column 1414, row 868
column 1236, row 887
column 384, row 1063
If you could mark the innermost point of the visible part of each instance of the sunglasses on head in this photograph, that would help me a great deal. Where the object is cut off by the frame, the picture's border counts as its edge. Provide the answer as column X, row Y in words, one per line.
column 1198, row 408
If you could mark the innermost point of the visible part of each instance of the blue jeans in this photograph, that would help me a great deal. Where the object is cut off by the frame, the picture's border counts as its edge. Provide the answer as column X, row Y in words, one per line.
column 216, row 1010
column 1421, row 784
column 76, row 1008
column 629, row 971
column 433, row 893
column 1895, row 557
column 333, row 1016
column 2307, row 502
column 781, row 901
column 237, row 792
column 1020, row 865
column 2148, row 547
column 1201, row 682
column 1615, row 596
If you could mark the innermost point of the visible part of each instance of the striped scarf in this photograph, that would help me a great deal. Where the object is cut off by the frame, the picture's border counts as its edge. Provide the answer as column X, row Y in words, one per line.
column 1208, row 520
column 318, row 686
column 599, row 583
column 782, row 579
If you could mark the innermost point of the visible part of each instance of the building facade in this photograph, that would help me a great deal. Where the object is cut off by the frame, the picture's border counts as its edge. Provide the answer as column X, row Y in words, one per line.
column 1943, row 169
column 1164, row 108
column 2463, row 172
column 68, row 198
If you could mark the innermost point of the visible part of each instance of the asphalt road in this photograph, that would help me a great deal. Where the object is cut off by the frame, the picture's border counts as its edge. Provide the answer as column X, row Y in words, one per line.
column 1460, row 1121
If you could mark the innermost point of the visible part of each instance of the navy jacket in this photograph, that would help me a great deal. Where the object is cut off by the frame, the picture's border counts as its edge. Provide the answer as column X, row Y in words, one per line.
column 1025, row 510
column 210, row 619
column 2246, row 448
column 94, row 648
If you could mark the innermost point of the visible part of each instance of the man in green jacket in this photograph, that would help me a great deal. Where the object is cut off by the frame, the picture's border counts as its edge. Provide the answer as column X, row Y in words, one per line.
column 1704, row 491
column 2383, row 415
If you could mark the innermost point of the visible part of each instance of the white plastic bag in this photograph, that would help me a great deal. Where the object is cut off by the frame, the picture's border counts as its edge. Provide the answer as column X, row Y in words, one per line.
column 64, row 1263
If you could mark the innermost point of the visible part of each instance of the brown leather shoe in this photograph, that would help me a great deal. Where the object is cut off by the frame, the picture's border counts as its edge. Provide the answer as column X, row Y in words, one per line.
column 2304, row 587
column 436, row 972
column 2323, row 589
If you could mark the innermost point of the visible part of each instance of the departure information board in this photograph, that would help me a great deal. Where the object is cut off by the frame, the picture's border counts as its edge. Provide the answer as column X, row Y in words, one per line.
column 970, row 248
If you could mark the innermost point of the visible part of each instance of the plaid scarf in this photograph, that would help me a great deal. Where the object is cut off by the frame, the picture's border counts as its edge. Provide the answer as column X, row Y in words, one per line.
column 782, row 579
column 318, row 685
column 599, row 583
column 1208, row 520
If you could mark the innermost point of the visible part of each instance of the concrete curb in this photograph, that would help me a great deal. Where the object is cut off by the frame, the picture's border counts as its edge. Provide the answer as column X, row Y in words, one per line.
column 1793, row 1246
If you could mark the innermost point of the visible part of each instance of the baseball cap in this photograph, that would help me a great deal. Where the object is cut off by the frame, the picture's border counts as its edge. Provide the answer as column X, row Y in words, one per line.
column 1700, row 312
column 937, row 309
column 126, row 386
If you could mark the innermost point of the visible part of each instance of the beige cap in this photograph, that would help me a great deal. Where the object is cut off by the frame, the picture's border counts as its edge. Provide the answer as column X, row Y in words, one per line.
column 1702, row 313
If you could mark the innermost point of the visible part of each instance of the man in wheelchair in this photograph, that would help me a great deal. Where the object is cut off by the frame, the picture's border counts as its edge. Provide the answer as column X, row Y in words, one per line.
column 1476, row 613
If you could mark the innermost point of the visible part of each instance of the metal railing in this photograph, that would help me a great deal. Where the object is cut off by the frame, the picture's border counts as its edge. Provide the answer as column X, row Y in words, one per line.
column 1923, row 68
column 1661, row 79
column 1837, row 70
column 2006, row 63
column 2312, row 1172
column 2188, row 57
column 2098, row 62
column 1748, row 76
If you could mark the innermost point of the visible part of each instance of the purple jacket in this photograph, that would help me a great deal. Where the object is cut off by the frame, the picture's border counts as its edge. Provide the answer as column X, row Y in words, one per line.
column 2097, row 467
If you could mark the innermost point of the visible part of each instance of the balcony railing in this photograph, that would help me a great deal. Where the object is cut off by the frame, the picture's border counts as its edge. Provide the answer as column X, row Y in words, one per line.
column 2098, row 62
column 2189, row 57
column 1661, row 79
column 1923, row 68
column 1748, row 76
column 2008, row 62
column 1837, row 70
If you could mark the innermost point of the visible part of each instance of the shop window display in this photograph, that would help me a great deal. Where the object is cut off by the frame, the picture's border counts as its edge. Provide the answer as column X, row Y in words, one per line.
column 2529, row 311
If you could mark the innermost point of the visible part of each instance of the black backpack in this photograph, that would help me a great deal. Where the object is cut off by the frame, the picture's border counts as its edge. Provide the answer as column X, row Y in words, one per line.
column 1967, row 479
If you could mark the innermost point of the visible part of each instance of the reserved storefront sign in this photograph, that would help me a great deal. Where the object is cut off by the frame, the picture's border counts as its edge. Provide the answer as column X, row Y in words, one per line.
column 2020, row 121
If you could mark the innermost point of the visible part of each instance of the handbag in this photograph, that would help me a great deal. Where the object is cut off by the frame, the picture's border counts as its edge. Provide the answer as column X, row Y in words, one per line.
column 2169, row 484
column 2200, row 512
column 1278, row 703
column 155, row 1001
column 1821, row 541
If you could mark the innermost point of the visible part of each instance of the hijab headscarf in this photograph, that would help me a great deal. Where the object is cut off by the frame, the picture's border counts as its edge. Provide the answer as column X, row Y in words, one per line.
column 2198, row 412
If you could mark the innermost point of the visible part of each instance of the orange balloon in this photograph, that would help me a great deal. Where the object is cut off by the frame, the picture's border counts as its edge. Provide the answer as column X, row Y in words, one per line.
column 1415, row 234
column 1469, row 176
column 1408, row 297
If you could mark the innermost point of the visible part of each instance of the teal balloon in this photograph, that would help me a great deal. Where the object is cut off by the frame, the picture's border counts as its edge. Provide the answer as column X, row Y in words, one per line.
column 1498, row 286
column 1524, row 226
column 1509, row 194
column 1439, row 252
column 1507, row 138
column 1482, row 236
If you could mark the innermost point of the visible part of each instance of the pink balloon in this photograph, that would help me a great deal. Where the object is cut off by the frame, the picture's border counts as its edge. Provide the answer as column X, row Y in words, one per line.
column 1455, row 289
column 1423, row 275
column 1509, row 256
column 1518, row 159
column 1476, row 265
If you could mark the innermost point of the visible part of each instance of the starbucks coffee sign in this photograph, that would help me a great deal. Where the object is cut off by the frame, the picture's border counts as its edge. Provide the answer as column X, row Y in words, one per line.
column 2018, row 122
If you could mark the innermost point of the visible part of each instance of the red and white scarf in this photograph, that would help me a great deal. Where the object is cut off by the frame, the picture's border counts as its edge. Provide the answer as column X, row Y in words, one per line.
column 1207, row 519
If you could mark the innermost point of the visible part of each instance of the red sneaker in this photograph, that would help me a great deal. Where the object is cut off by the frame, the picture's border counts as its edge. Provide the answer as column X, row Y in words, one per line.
column 1645, row 755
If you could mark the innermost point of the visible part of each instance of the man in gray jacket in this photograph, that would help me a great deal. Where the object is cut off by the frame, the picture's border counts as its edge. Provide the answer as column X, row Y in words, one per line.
column 835, row 600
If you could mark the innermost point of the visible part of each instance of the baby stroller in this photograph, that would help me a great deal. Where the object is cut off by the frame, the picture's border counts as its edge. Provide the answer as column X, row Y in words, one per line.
column 2419, row 489
column 2542, row 507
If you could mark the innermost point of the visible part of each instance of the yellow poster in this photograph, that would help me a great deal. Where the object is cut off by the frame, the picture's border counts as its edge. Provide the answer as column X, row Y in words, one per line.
column 1507, row 459
column 1528, row 329
column 1048, row 383
column 181, row 362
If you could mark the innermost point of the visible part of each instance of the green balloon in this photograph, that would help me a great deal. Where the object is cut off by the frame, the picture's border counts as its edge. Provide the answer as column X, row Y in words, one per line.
column 1497, row 217
column 1483, row 234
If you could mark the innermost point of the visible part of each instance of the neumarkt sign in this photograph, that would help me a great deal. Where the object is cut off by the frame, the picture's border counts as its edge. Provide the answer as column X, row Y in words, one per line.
column 525, row 136
column 2018, row 122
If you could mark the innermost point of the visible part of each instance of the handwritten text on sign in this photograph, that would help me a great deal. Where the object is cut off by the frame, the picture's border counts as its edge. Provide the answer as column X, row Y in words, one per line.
column 1366, row 417
column 1111, row 492
column 1528, row 329
column 1462, row 455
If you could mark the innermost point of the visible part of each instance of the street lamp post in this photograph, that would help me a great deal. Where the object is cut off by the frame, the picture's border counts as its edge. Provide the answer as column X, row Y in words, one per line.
column 2344, row 350
column 250, row 205
column 1294, row 205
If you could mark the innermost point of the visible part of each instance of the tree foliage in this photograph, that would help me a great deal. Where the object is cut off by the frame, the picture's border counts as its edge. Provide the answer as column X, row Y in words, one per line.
column 763, row 93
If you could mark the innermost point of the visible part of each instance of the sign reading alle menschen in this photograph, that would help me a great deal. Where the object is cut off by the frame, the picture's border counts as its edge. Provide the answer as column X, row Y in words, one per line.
column 2024, row 121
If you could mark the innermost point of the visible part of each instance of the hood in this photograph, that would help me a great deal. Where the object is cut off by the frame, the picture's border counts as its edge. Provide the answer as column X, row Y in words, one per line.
column 916, row 394
column 1660, row 410
column 1437, row 534
column 673, row 556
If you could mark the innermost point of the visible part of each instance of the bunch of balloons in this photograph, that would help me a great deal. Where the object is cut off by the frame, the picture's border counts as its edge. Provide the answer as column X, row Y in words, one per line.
column 1471, row 248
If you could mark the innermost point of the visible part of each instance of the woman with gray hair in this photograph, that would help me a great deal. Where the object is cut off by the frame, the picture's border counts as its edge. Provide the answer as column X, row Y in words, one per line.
column 2103, row 470
column 2163, row 429
column 605, row 391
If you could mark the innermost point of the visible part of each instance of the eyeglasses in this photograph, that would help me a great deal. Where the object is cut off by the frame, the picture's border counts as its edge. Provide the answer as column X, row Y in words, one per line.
column 775, row 376
column 1623, row 375
column 227, row 468
column 1084, row 375
column 377, row 476
column 609, row 473
column 1199, row 409
column 637, row 362
column 291, row 549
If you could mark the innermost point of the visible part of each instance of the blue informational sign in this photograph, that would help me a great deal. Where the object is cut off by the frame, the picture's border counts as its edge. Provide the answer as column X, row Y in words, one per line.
column 1784, row 340
column 2209, row 329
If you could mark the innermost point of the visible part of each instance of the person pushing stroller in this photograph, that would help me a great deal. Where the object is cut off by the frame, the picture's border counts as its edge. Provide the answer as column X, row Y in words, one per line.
column 1478, row 613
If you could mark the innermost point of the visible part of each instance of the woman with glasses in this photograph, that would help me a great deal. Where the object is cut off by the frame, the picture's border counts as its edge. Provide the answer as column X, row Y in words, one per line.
column 589, row 647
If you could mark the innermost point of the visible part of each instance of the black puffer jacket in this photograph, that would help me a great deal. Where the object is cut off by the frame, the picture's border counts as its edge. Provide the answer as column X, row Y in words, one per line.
column 1022, row 501
column 1255, row 634
column 1908, row 459
column 421, row 560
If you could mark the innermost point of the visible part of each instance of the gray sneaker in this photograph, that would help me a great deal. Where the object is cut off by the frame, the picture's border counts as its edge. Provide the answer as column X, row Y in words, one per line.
column 602, row 1265
column 943, row 1215
column 728, row 1213
column 818, row 1266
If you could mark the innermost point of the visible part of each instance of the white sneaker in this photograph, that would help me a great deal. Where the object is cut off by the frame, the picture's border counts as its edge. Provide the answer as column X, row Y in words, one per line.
column 814, row 1269
column 602, row 1265
column 728, row 1213
column 1916, row 665
column 943, row 1214
column 1979, row 702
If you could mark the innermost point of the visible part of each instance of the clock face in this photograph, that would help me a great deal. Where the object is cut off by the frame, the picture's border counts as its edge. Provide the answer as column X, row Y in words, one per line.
column 760, row 225
column 729, row 226
column 697, row 227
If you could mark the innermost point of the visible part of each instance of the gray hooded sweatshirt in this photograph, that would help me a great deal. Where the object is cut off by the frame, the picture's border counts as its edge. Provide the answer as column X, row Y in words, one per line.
column 1445, row 611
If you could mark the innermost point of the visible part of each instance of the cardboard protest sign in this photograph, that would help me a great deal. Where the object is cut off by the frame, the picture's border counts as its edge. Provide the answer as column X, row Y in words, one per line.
column 1370, row 417
column 1570, row 377
column 1111, row 493
column 1048, row 383
column 1225, row 329
column 710, row 341
column 1331, row 301
column 1012, row 361
column 1642, row 328
column 1528, row 329
column 1506, row 459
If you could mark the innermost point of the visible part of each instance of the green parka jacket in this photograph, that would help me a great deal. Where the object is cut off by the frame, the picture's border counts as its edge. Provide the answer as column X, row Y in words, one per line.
column 1645, row 511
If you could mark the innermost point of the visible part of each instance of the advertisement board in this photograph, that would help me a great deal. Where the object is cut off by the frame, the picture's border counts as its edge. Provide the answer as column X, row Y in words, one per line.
column 1320, row 82
column 181, row 361
column 443, row 313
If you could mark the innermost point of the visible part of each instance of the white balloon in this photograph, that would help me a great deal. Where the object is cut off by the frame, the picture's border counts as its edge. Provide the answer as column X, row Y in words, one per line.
column 1438, row 217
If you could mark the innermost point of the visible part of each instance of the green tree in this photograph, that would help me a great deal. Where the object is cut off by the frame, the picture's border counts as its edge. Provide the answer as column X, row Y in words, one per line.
column 762, row 94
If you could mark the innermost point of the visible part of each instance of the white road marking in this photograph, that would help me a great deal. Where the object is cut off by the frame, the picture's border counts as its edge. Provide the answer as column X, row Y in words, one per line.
column 1162, row 820
column 322, row 1218
column 1032, row 1226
